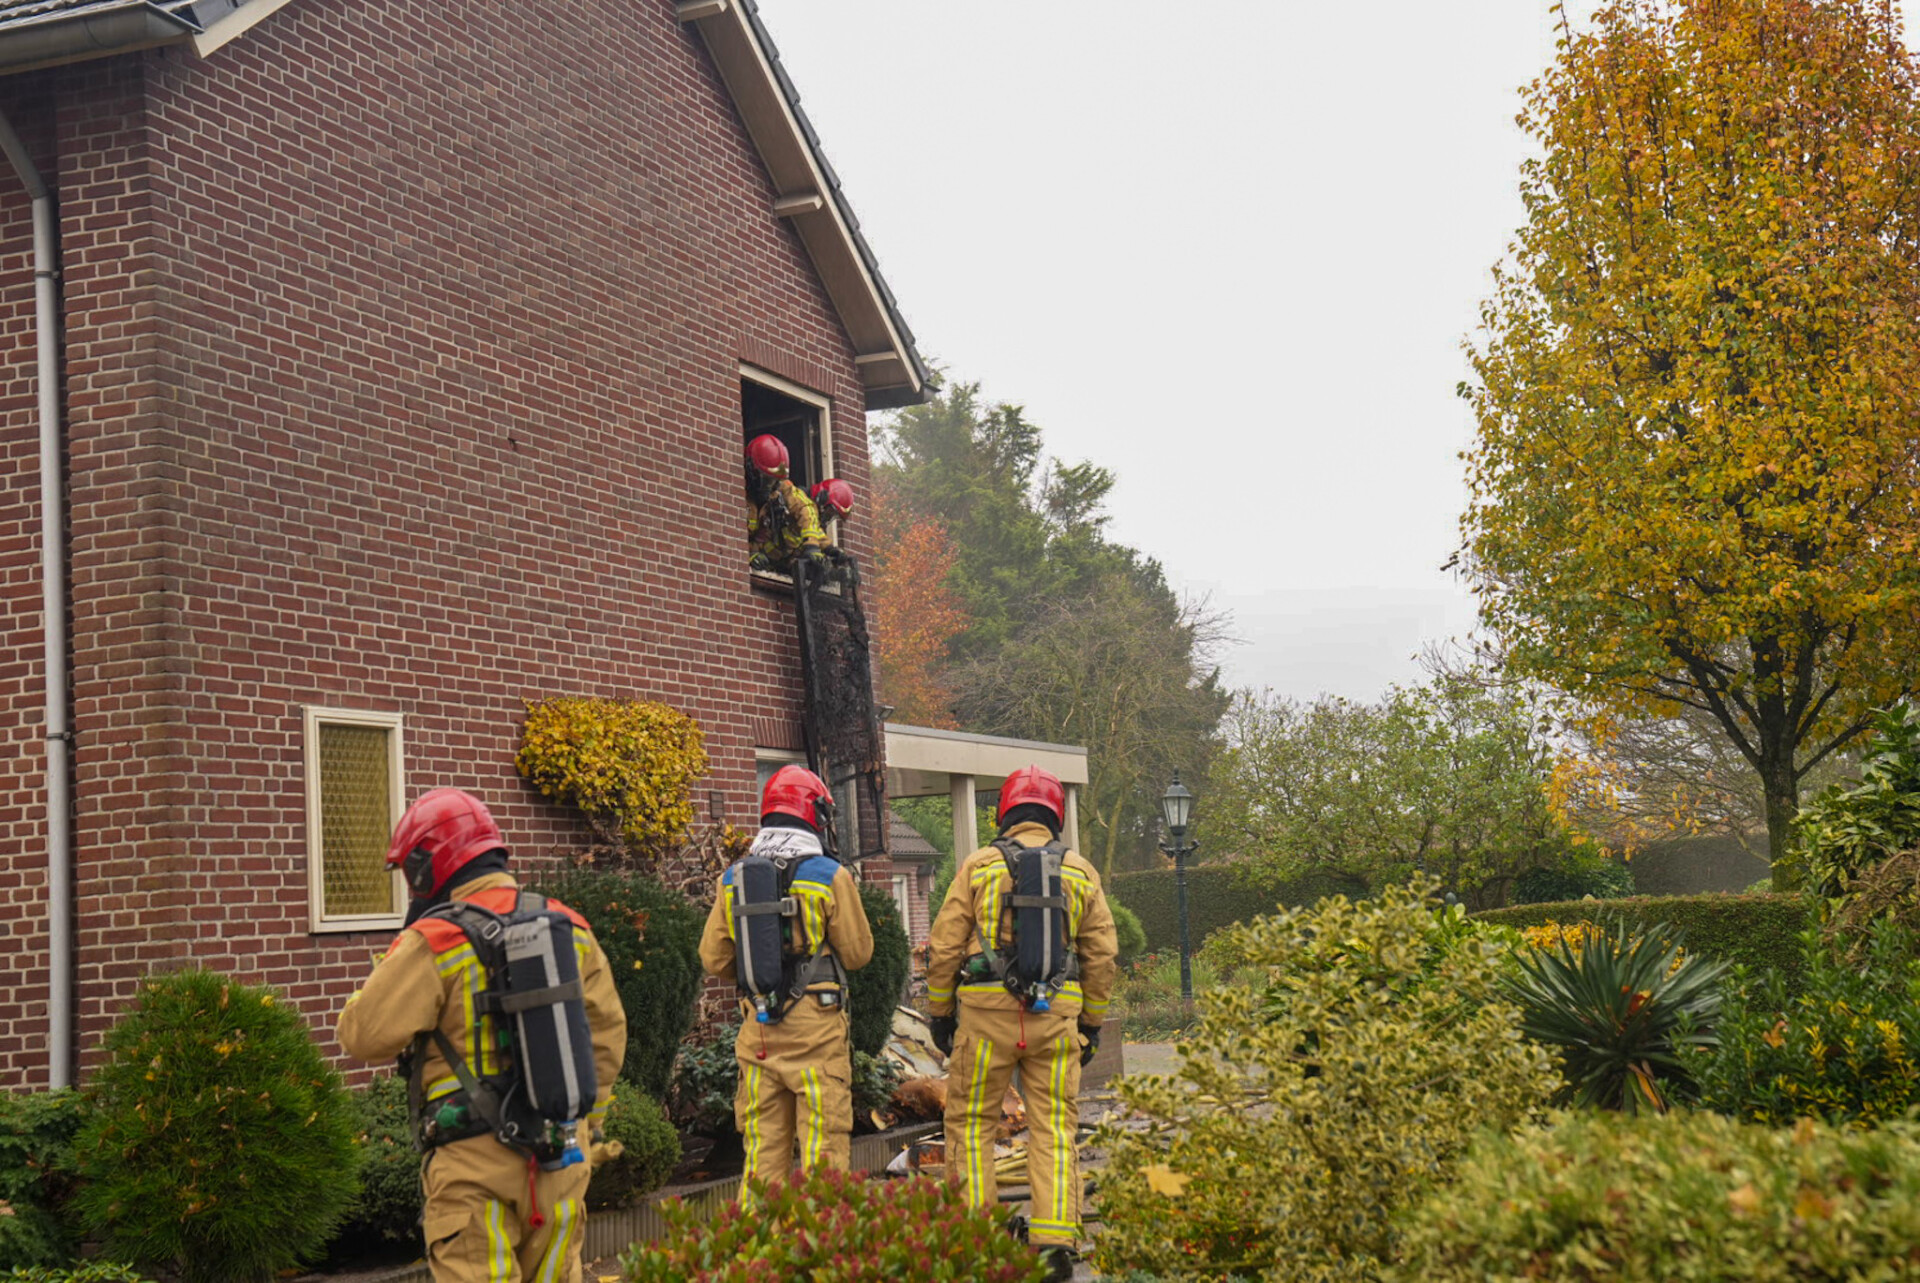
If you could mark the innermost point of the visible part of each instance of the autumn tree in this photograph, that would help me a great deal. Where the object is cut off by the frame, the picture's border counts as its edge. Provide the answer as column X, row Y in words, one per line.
column 916, row 612
column 1698, row 381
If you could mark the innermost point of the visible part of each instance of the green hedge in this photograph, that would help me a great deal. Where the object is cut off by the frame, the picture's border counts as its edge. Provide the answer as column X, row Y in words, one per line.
column 877, row 988
column 651, row 937
column 1218, row 895
column 1756, row 931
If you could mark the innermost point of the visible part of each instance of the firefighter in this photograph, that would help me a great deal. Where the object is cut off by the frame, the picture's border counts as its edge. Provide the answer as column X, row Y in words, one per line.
column 492, row 1211
column 1044, row 1033
column 783, row 524
column 833, row 499
column 796, row 1066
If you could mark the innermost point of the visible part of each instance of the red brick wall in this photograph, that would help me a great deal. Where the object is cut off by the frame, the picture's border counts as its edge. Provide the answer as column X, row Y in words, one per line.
column 403, row 343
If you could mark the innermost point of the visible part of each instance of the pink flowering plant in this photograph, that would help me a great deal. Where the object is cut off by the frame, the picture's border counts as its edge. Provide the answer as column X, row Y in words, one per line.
column 832, row 1227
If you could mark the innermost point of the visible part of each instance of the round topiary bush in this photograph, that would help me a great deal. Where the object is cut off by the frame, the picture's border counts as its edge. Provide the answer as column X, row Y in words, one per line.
column 649, row 1151
column 877, row 988
column 218, row 1145
column 651, row 937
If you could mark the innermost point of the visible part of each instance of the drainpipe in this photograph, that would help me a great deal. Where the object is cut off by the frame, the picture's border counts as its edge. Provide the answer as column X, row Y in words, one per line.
column 53, row 583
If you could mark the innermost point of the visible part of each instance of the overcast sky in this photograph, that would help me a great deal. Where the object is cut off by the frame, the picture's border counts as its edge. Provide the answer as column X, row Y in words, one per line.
column 1228, row 250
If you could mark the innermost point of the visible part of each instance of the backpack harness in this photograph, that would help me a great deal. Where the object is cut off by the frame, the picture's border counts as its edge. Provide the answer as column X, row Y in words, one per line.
column 772, row 974
column 1040, row 962
column 547, row 1085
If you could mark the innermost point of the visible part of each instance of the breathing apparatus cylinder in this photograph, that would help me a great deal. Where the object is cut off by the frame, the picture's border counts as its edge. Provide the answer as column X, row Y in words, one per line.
column 552, row 1036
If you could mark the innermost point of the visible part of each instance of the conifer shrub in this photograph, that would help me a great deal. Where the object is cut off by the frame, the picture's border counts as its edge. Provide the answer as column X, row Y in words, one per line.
column 1342, row 1073
column 217, row 1144
column 36, row 1156
column 839, row 1227
column 651, row 937
column 387, row 1208
column 877, row 988
column 1685, row 1195
column 1841, row 1048
column 627, row 765
column 649, row 1151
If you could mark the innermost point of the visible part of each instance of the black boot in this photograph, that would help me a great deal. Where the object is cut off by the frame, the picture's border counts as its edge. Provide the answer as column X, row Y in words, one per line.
column 1059, row 1262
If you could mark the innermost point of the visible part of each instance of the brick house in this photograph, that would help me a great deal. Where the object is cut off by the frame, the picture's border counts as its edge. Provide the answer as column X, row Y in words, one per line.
column 401, row 355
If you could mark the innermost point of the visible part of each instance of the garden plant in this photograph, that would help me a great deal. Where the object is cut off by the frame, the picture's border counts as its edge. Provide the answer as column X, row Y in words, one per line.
column 217, row 1144
column 1841, row 1050
column 1688, row 1195
column 36, row 1158
column 1619, row 1007
column 1361, row 1048
column 835, row 1227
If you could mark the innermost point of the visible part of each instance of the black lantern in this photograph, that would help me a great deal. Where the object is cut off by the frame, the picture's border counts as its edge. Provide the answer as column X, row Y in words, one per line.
column 1176, row 808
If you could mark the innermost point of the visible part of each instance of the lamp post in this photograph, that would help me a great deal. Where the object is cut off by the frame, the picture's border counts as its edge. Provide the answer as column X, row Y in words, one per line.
column 1176, row 808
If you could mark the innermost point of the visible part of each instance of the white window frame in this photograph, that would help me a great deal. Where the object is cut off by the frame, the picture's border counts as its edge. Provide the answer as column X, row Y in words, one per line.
column 312, row 719
column 903, row 887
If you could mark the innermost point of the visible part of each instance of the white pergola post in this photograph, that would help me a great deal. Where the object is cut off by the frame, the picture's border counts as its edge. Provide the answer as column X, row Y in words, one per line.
column 1072, row 818
column 966, row 827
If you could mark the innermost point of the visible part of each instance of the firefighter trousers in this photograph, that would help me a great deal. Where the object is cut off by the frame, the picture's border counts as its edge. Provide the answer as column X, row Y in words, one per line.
column 480, row 1214
column 800, row 1090
column 986, row 1054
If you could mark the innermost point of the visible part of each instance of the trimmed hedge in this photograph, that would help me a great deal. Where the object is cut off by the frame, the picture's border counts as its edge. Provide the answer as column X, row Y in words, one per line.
column 1218, row 895
column 1755, row 931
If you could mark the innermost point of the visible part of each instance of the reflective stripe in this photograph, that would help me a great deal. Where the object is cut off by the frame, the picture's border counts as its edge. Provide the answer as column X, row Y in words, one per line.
column 978, row 1163
column 566, row 1215
column 814, row 1144
column 750, row 1085
column 1062, row 1132
column 939, row 995
column 499, row 1250
column 1071, row 989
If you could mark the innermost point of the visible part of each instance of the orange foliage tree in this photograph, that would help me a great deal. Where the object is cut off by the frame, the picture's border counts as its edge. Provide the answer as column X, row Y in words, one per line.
column 1699, row 389
column 915, row 611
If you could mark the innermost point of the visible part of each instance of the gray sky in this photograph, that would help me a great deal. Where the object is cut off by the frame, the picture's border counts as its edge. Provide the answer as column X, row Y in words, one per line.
column 1228, row 250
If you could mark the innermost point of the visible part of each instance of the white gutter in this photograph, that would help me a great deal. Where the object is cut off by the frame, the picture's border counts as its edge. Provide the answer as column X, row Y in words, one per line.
column 53, row 584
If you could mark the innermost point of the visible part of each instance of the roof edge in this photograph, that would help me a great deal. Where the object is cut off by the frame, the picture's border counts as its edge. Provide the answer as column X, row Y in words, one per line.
column 98, row 31
column 891, row 368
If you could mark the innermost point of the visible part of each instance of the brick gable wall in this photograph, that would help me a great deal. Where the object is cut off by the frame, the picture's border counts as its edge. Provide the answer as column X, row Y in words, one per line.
column 403, row 345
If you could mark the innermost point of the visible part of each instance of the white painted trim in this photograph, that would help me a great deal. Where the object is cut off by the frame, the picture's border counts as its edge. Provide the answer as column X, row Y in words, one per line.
column 236, row 24
column 312, row 719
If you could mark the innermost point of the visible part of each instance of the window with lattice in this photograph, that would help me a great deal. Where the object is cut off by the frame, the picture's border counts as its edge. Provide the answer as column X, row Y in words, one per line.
column 354, row 789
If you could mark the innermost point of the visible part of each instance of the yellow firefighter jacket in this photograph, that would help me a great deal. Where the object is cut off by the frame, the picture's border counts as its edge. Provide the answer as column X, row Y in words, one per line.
column 782, row 540
column 976, row 906
column 429, row 979
column 830, row 912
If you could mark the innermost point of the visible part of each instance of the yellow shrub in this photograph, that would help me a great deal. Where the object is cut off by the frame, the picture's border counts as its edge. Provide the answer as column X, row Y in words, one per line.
column 1551, row 933
column 627, row 765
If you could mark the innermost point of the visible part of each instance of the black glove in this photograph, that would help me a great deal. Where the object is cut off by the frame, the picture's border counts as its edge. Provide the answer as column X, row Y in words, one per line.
column 813, row 553
column 944, row 1028
column 1092, row 1034
column 759, row 561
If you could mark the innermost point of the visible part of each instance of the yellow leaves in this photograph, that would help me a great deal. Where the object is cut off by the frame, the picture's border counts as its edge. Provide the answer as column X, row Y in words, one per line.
column 1163, row 1180
column 628, row 765
column 1745, row 1201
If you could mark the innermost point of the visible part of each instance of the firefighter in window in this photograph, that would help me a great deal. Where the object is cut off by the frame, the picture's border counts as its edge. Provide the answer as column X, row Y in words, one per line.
column 502, row 1010
column 787, row 925
column 783, row 526
column 1025, row 944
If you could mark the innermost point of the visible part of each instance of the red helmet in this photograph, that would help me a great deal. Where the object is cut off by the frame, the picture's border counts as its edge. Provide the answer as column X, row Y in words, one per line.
column 769, row 454
column 440, row 834
column 1031, row 784
column 796, row 791
column 834, row 493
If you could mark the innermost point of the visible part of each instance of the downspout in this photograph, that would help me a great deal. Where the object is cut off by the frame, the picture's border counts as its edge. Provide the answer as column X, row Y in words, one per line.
column 53, row 585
